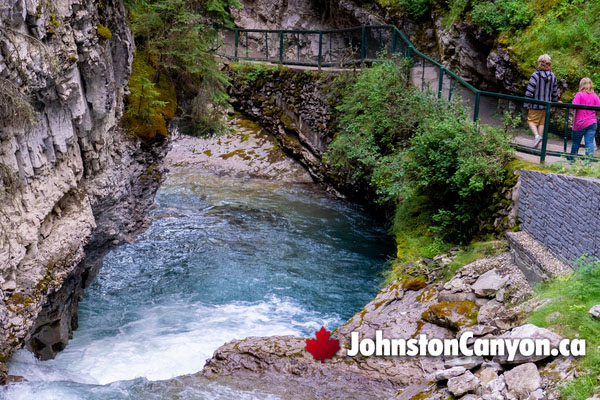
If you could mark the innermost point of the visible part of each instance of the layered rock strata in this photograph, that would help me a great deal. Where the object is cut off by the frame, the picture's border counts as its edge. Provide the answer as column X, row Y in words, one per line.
column 73, row 184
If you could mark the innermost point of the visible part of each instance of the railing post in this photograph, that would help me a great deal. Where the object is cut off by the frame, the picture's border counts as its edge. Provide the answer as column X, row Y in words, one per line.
column 450, row 90
column 423, row 75
column 237, row 40
column 566, row 130
column 320, row 47
column 441, row 83
column 545, row 137
column 298, row 48
column 246, row 44
column 476, row 108
column 363, row 44
column 280, row 47
column 267, row 45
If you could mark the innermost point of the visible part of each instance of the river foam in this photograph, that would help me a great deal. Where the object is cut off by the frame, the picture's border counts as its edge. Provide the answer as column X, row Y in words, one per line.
column 223, row 260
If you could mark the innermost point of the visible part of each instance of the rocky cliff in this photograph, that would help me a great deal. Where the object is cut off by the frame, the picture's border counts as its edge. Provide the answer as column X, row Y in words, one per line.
column 73, row 183
column 462, row 46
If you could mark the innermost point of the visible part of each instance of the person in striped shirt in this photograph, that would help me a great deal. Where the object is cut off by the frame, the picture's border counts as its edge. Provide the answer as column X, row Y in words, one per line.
column 542, row 85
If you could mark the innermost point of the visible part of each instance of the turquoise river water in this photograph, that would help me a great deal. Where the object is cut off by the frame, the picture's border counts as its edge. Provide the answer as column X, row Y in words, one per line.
column 223, row 259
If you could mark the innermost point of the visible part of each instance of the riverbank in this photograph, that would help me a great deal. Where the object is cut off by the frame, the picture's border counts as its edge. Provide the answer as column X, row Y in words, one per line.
column 225, row 258
column 246, row 151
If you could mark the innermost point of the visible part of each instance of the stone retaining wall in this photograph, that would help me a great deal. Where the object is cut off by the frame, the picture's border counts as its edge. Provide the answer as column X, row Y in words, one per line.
column 561, row 212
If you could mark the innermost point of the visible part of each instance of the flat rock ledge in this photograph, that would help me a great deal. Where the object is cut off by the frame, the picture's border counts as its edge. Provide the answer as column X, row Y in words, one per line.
column 478, row 299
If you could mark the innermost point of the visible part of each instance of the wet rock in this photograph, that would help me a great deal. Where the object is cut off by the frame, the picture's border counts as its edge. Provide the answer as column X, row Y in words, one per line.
column 462, row 384
column 523, row 379
column 489, row 283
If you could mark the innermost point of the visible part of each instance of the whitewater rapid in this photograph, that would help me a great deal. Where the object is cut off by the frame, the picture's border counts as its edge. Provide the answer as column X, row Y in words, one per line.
column 224, row 259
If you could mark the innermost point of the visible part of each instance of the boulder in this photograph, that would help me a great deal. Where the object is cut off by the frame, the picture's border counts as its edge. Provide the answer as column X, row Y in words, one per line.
column 595, row 311
column 523, row 379
column 528, row 331
column 495, row 314
column 492, row 396
column 495, row 385
column 452, row 314
column 489, row 283
column 467, row 362
column 489, row 311
column 488, row 375
column 457, row 285
column 538, row 394
column 462, row 384
column 445, row 374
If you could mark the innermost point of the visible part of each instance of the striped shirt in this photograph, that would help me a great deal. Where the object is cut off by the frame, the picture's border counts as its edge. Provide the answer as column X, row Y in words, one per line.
column 542, row 86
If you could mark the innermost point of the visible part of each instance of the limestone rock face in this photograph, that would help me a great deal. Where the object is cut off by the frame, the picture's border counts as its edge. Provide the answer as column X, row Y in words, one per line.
column 72, row 183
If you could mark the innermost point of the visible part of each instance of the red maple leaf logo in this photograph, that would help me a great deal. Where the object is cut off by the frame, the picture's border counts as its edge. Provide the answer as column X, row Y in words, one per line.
column 322, row 347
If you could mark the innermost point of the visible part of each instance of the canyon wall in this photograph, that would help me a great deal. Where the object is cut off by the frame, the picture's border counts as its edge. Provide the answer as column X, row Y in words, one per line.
column 73, row 183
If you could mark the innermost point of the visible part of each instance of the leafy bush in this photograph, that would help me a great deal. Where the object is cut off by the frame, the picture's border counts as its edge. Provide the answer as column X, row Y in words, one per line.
column 377, row 117
column 501, row 15
column 457, row 165
column 405, row 145
column 572, row 297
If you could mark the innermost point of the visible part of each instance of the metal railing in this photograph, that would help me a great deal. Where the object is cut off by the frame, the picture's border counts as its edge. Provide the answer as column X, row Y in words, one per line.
column 347, row 48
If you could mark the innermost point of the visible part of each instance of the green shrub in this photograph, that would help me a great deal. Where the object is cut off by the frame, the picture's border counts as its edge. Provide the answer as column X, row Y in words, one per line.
column 377, row 116
column 458, row 165
column 405, row 145
column 501, row 15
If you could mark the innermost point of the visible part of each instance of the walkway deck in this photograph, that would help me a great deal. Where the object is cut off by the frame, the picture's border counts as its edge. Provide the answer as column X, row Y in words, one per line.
column 331, row 50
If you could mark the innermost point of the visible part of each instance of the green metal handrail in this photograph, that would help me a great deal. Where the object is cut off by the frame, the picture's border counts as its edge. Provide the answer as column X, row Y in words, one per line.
column 410, row 52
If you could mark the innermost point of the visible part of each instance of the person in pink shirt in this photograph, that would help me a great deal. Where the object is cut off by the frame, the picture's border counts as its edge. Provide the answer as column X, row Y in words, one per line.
column 585, row 122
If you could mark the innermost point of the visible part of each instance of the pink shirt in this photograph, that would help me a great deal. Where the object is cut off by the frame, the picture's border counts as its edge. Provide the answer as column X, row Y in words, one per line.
column 585, row 118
